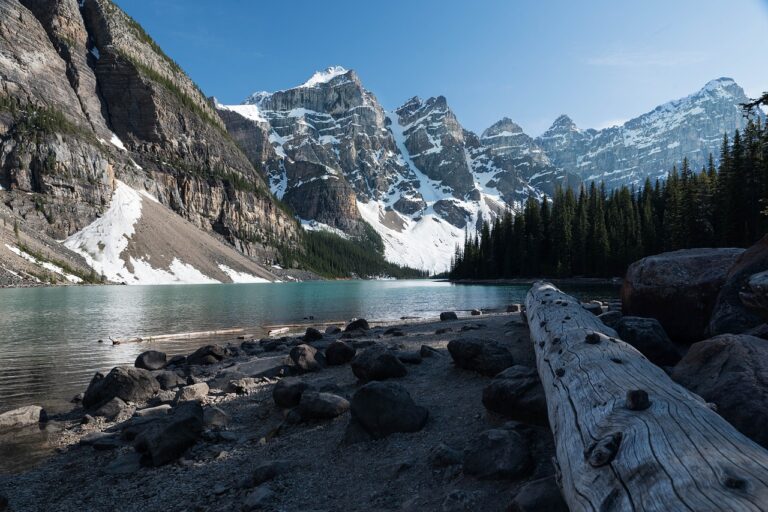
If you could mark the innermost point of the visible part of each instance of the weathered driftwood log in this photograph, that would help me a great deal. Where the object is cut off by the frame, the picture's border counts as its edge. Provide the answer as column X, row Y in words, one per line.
column 627, row 436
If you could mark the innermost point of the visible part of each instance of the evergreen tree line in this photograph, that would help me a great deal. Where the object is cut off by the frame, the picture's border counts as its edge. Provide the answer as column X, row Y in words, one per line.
column 593, row 232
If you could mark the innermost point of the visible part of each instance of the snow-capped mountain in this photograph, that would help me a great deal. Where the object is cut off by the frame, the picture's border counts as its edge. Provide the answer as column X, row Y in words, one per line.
column 650, row 144
column 338, row 158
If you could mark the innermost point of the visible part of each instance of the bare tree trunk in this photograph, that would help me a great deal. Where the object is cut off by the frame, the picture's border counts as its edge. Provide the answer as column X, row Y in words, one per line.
column 627, row 436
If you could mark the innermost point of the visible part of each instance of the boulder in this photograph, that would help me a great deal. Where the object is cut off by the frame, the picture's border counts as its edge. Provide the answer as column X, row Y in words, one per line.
column 427, row 351
column 542, row 495
column 383, row 408
column 213, row 417
column 517, row 393
column 258, row 498
column 159, row 410
column 209, row 354
column 332, row 330
column 166, row 439
column 243, row 386
column 112, row 409
column 321, row 406
column 409, row 356
column 481, row 355
column 176, row 361
column 169, row 379
column 287, row 392
column 475, row 312
column 101, row 441
column 192, row 392
column 312, row 334
column 513, row 308
column 360, row 324
column 497, row 454
column 338, row 353
column 594, row 307
column 442, row 456
column 648, row 336
column 448, row 315
column 731, row 371
column 22, row 417
column 128, row 384
column 731, row 312
column 377, row 363
column 306, row 358
column 611, row 318
column 151, row 360
column 678, row 288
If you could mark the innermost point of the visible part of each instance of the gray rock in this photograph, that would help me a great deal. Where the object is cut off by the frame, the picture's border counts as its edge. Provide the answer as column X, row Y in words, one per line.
column 513, row 308
column 125, row 464
column 209, row 354
column 192, row 392
column 611, row 318
column 443, row 455
column 484, row 356
column 244, row 386
column 287, row 392
column 160, row 410
column 151, row 360
column 594, row 307
column 312, row 334
column 497, row 454
column 112, row 409
column 321, row 406
column 101, row 441
column 476, row 312
column 648, row 336
column 377, row 363
column 427, row 351
column 169, row 379
column 213, row 417
column 306, row 358
column 166, row 439
column 517, row 393
column 128, row 384
column 332, row 330
column 339, row 352
column 258, row 498
column 542, row 495
column 448, row 315
column 23, row 416
column 360, row 324
column 383, row 408
column 409, row 356
column 265, row 472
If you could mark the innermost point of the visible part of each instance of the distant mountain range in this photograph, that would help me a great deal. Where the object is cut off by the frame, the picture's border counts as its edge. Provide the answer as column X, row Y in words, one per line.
column 339, row 158
column 114, row 166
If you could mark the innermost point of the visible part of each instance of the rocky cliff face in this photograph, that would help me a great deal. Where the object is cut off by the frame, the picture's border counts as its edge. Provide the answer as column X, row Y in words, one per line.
column 648, row 145
column 86, row 97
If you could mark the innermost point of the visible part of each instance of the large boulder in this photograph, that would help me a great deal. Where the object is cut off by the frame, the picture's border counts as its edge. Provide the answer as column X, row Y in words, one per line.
column 306, row 358
column 731, row 371
column 446, row 316
column 678, row 288
column 339, row 352
column 167, row 438
column 22, row 417
column 128, row 384
column 151, row 360
column 321, row 406
column 377, row 363
column 360, row 324
column 209, row 354
column 287, row 392
column 383, row 408
column 169, row 379
column 517, row 393
column 497, row 454
column 648, row 336
column 732, row 312
column 481, row 355
column 610, row 318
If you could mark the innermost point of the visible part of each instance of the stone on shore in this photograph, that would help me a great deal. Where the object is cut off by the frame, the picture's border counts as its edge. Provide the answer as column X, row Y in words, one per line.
column 338, row 353
column 159, row 410
column 361, row 324
column 192, row 392
column 112, row 409
column 214, row 417
column 678, row 288
column 648, row 336
column 169, row 379
column 128, row 384
column 321, row 406
column 731, row 371
column 448, row 315
column 484, row 356
column 731, row 312
column 542, row 495
column 287, row 392
column 306, row 358
column 22, row 417
column 497, row 454
column 611, row 318
column 442, row 456
column 332, row 330
column 151, row 360
column 166, row 439
column 312, row 334
column 594, row 307
column 517, row 393
column 377, row 363
column 243, row 386
column 383, row 408
column 209, row 354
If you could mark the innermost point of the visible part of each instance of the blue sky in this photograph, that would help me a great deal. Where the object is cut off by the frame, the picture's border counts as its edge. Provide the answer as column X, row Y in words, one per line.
column 600, row 61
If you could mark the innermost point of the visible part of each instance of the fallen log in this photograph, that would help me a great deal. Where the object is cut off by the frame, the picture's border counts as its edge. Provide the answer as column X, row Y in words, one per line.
column 627, row 437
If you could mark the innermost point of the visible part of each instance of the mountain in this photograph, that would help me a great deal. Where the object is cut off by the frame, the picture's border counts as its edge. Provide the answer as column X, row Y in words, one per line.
column 648, row 145
column 100, row 130
column 340, row 160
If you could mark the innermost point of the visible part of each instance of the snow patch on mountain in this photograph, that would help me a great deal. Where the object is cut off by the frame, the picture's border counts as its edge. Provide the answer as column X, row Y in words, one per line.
column 325, row 76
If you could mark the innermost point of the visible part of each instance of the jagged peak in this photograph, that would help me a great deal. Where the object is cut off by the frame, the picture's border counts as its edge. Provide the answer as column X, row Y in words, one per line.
column 503, row 126
column 327, row 75
column 720, row 83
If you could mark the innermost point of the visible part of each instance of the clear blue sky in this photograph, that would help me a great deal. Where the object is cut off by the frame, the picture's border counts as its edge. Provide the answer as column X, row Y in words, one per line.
column 599, row 61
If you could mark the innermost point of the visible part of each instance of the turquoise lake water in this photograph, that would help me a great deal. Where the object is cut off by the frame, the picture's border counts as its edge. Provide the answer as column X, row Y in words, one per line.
column 49, row 346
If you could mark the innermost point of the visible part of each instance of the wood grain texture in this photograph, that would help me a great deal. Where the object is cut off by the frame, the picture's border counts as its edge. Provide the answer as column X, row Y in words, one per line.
column 676, row 454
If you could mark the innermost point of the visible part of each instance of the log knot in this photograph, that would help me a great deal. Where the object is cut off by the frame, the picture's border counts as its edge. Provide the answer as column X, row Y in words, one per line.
column 603, row 451
column 592, row 338
column 637, row 400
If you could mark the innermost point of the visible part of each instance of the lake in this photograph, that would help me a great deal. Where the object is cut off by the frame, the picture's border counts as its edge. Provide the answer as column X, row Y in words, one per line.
column 49, row 347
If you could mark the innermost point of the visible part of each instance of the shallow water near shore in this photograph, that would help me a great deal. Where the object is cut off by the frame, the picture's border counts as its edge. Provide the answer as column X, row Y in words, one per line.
column 49, row 347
